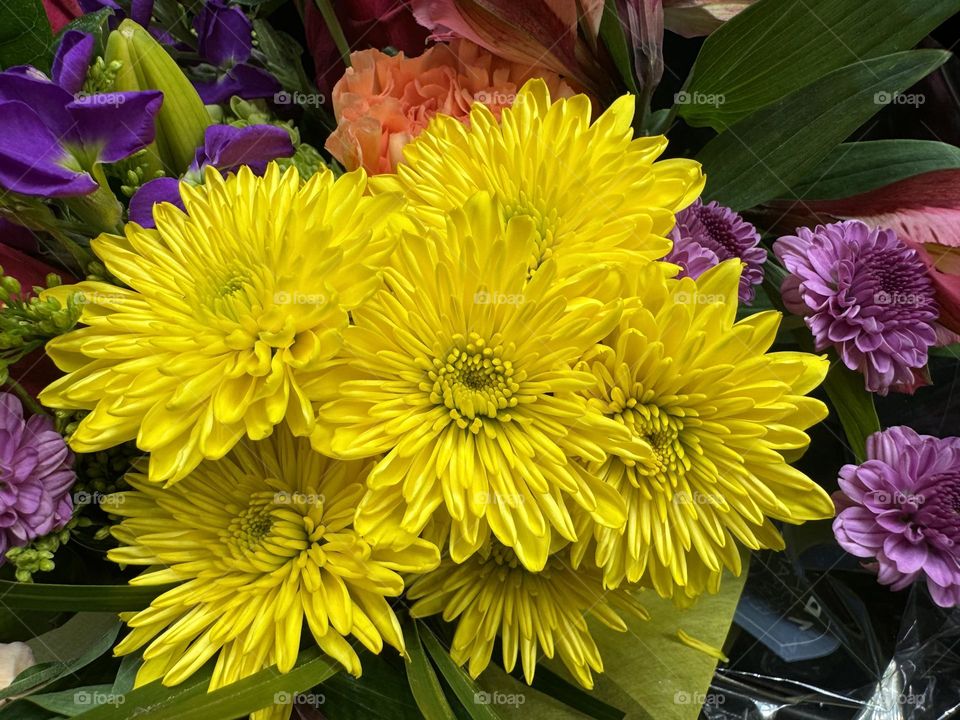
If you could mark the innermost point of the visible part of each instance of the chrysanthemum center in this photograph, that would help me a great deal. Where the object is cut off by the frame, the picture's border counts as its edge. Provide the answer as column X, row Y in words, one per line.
column 502, row 555
column 276, row 527
column 474, row 380
column 252, row 524
column 892, row 275
column 545, row 223
column 663, row 432
column 719, row 231
column 931, row 515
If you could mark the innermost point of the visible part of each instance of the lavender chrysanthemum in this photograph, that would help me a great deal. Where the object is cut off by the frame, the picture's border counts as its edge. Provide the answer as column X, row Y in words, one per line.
column 902, row 507
column 36, row 474
column 866, row 293
column 706, row 235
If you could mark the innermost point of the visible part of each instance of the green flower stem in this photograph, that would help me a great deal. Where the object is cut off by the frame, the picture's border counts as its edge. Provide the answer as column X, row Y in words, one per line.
column 83, row 257
column 100, row 209
column 25, row 397
column 330, row 18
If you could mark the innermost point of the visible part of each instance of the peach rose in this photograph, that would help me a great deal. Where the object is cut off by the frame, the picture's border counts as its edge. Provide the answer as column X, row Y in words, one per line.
column 382, row 101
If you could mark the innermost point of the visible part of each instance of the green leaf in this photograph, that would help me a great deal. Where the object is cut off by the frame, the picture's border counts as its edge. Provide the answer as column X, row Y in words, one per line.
column 64, row 650
column 648, row 673
column 21, row 624
column 615, row 40
column 552, row 685
column 778, row 46
column 336, row 32
column 282, row 57
column 22, row 710
column 853, row 405
column 422, row 678
column 25, row 36
column 649, row 668
column 74, row 701
column 382, row 691
column 855, row 168
column 947, row 351
column 761, row 156
column 474, row 700
column 96, row 598
column 127, row 674
column 191, row 701
column 94, row 23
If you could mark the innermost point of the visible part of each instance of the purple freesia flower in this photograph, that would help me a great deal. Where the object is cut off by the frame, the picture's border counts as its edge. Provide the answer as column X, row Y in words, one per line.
column 867, row 294
column 72, row 60
column 50, row 139
column 226, row 42
column 706, row 235
column 36, row 474
column 140, row 10
column 902, row 507
column 226, row 148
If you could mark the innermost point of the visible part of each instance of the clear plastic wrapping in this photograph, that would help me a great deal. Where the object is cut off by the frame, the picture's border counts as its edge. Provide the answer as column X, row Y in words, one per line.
column 808, row 647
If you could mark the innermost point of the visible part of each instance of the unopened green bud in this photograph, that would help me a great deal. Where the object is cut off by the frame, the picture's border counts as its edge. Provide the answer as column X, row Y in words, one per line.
column 10, row 284
column 146, row 65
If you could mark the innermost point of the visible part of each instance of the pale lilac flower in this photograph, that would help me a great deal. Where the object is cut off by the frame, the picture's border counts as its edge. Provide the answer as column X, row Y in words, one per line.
column 36, row 474
column 902, row 507
column 706, row 235
column 865, row 293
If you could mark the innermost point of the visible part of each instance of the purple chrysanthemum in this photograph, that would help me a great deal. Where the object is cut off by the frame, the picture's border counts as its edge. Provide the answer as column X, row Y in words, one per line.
column 902, row 507
column 36, row 474
column 706, row 235
column 867, row 294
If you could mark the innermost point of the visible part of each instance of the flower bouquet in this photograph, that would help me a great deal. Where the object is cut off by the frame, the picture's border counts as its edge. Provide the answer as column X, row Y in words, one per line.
column 385, row 359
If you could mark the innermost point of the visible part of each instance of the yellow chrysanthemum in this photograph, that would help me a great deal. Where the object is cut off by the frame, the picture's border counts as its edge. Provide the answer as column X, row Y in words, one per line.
column 720, row 414
column 231, row 308
column 493, row 595
column 257, row 543
column 460, row 371
column 594, row 192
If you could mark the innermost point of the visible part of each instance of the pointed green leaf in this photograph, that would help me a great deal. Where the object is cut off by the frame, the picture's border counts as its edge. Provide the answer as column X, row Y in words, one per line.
column 855, row 168
column 423, row 680
column 649, row 672
column 779, row 46
column 191, row 701
column 94, row 598
column 471, row 697
column 25, row 36
column 64, row 650
column 763, row 155
column 852, row 404
column 614, row 38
